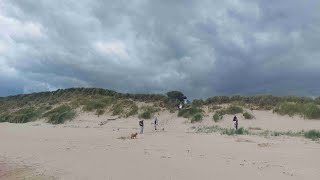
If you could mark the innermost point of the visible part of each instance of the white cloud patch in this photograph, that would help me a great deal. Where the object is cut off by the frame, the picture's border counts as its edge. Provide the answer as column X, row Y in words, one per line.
column 113, row 48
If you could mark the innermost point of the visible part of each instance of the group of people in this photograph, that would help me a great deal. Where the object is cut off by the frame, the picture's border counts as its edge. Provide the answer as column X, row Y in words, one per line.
column 156, row 123
column 141, row 124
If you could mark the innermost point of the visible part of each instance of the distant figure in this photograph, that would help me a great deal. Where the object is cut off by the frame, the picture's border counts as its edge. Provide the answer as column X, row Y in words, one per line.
column 235, row 122
column 180, row 106
column 155, row 122
column 141, row 126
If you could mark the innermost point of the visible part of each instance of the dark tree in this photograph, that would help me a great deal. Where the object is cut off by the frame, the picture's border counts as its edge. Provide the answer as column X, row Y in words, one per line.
column 176, row 95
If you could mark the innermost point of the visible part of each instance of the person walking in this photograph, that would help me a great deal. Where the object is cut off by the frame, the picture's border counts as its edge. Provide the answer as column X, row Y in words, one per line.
column 141, row 124
column 156, row 122
column 235, row 122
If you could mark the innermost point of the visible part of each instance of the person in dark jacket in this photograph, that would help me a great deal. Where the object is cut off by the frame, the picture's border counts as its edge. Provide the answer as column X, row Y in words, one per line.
column 235, row 122
column 141, row 124
column 156, row 122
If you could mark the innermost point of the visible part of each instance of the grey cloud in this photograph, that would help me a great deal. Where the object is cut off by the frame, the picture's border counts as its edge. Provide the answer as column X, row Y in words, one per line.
column 202, row 48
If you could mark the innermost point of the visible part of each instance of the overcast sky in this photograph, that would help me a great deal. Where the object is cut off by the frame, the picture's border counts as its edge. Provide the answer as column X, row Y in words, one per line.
column 201, row 47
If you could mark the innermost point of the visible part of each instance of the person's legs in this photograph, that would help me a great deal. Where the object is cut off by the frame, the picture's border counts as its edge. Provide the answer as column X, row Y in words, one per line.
column 141, row 129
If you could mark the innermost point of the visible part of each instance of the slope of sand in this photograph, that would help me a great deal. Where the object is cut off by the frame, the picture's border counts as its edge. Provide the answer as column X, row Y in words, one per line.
column 83, row 150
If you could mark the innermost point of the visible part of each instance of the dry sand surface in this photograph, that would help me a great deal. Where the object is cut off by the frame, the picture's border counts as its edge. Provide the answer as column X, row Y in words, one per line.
column 84, row 150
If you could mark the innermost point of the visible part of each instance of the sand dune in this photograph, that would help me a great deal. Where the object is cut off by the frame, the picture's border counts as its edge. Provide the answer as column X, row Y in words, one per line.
column 83, row 149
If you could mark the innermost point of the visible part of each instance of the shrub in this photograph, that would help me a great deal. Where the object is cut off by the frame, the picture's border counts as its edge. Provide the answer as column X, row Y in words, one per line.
column 312, row 134
column 240, row 131
column 197, row 118
column 287, row 108
column 100, row 112
column 21, row 116
column 133, row 110
column 309, row 110
column 117, row 109
column 217, row 116
column 226, row 131
column 247, row 115
column 233, row 110
column 212, row 108
column 197, row 102
column 145, row 115
column 97, row 104
column 60, row 114
column 189, row 112
column 148, row 111
column 176, row 96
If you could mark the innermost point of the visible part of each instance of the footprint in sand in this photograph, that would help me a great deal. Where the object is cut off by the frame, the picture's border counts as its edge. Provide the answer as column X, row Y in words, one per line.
column 264, row 145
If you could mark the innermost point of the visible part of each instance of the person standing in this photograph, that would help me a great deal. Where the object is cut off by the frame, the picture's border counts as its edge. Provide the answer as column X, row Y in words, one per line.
column 155, row 122
column 141, row 124
column 235, row 122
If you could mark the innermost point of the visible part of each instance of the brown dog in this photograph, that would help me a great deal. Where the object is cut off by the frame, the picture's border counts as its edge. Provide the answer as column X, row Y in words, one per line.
column 134, row 135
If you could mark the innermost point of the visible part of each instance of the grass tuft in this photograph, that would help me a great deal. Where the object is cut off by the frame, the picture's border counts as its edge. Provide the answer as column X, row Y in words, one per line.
column 196, row 118
column 247, row 115
column 60, row 114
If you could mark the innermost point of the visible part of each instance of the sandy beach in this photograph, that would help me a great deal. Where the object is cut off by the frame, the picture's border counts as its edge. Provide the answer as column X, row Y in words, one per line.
column 82, row 149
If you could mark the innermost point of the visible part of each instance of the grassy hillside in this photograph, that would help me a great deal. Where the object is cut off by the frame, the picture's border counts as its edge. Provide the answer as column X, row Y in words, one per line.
column 61, row 105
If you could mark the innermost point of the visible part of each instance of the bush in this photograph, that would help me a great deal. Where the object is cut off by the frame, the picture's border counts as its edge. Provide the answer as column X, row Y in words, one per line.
column 21, row 116
column 148, row 111
column 145, row 115
column 240, row 131
column 197, row 118
column 133, row 110
column 312, row 134
column 60, row 114
column 212, row 108
column 197, row 102
column 286, row 108
column 217, row 116
column 100, row 112
column 189, row 112
column 309, row 110
column 97, row 104
column 233, row 110
column 247, row 115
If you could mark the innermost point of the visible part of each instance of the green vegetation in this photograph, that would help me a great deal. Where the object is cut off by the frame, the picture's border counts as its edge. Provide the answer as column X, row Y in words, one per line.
column 30, row 107
column 311, row 134
column 217, row 116
column 176, row 96
column 232, row 110
column 221, row 130
column 196, row 118
column 21, row 116
column 308, row 111
column 212, row 108
column 264, row 102
column 189, row 112
column 197, row 102
column 247, row 115
column 148, row 111
column 60, row 114
column 98, row 103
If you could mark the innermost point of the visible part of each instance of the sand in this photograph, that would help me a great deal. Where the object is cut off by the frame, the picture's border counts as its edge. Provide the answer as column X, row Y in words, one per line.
column 83, row 150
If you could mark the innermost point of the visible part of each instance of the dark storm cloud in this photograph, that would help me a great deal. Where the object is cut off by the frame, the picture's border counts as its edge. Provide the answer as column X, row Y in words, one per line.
column 202, row 48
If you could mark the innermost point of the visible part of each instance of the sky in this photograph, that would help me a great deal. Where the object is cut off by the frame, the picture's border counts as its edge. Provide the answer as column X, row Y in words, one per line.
column 200, row 47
